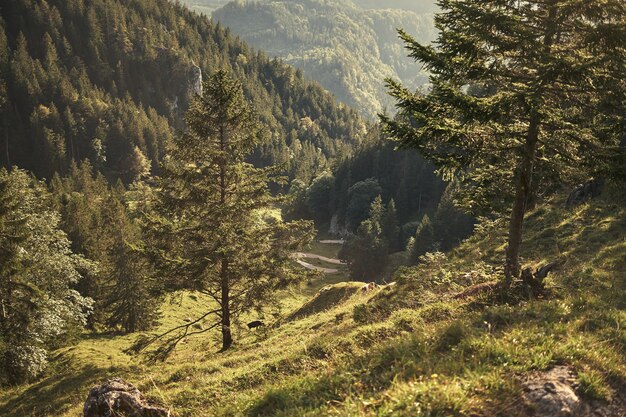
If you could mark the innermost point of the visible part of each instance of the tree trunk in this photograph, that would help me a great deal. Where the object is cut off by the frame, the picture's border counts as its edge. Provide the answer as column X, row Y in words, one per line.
column 227, row 337
column 522, row 192
column 524, row 186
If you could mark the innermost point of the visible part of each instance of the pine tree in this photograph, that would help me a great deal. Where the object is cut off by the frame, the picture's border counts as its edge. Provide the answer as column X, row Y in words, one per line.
column 218, row 239
column 423, row 241
column 132, row 299
column 391, row 229
column 450, row 224
column 366, row 251
column 551, row 105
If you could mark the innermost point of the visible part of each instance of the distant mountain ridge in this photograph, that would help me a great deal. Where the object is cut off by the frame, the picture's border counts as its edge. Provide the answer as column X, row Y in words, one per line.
column 417, row 6
column 350, row 50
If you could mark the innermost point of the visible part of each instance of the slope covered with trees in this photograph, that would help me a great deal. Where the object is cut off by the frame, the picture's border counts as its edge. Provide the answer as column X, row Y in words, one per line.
column 349, row 50
column 544, row 110
column 92, row 95
column 109, row 81
column 418, row 6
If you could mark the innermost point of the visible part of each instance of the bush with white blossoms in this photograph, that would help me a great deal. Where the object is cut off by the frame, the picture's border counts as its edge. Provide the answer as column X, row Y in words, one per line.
column 37, row 270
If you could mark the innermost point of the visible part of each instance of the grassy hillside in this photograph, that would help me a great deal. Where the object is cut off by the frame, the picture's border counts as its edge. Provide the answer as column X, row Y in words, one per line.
column 409, row 349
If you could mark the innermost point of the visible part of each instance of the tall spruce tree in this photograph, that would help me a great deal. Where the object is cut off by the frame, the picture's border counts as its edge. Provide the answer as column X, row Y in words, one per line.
column 218, row 236
column 551, row 104
column 131, row 297
column 390, row 226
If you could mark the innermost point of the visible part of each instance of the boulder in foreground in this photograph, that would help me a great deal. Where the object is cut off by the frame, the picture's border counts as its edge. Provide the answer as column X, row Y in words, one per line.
column 116, row 397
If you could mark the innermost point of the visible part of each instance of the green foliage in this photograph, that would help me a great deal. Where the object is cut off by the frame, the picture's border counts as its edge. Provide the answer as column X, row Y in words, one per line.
column 111, row 80
column 37, row 272
column 423, row 241
column 366, row 251
column 132, row 297
column 103, row 228
column 317, row 197
column 209, row 226
column 402, row 176
column 593, row 385
column 390, row 228
column 361, row 197
column 347, row 49
column 548, row 108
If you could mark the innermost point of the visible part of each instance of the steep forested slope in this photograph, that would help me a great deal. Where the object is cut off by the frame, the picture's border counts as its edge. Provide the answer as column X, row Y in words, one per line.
column 349, row 50
column 109, row 80
column 418, row 6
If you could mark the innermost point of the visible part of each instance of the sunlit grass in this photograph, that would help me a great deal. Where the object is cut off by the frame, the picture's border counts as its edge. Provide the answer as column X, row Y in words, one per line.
column 406, row 350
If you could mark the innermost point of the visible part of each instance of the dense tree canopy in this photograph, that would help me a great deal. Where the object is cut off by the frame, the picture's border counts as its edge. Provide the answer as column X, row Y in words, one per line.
column 110, row 81
column 526, row 95
column 37, row 273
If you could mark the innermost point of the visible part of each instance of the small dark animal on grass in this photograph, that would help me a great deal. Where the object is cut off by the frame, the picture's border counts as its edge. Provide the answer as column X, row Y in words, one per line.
column 255, row 324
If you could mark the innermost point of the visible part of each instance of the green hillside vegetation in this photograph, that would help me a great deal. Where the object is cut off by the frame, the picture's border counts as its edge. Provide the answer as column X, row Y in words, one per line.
column 418, row 6
column 160, row 182
column 347, row 49
column 410, row 349
column 111, row 80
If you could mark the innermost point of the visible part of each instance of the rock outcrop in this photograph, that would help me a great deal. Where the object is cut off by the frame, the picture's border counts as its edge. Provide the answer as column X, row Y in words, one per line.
column 585, row 192
column 553, row 394
column 117, row 398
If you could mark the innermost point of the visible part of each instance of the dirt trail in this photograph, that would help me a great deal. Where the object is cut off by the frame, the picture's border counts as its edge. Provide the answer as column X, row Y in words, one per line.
column 320, row 257
column 316, row 268
column 302, row 256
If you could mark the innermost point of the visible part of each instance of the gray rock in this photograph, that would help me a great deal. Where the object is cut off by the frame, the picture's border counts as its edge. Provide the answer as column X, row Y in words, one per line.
column 552, row 394
column 585, row 192
column 118, row 398
column 195, row 80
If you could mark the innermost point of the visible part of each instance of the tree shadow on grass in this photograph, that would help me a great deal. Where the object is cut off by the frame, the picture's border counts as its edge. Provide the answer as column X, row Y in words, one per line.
column 56, row 394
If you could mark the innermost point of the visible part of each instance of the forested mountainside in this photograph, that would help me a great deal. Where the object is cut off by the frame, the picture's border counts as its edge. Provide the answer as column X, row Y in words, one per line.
column 349, row 50
column 439, row 342
column 204, row 6
column 418, row 6
column 158, row 270
column 110, row 80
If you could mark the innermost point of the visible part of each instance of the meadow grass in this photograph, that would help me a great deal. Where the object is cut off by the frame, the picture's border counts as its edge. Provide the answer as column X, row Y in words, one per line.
column 410, row 349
